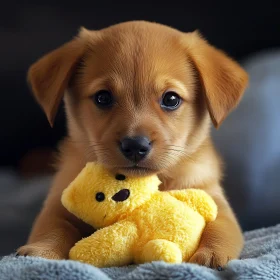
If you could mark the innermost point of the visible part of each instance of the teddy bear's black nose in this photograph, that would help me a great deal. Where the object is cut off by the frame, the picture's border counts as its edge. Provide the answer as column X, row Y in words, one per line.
column 121, row 195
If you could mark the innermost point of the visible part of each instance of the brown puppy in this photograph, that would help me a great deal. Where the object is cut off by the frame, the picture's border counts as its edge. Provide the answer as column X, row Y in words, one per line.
column 139, row 99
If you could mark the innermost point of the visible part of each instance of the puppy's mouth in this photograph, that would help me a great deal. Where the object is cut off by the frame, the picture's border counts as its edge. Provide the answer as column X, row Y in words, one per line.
column 138, row 170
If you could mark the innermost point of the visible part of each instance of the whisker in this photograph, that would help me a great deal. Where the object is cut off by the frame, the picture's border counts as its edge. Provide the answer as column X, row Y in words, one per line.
column 166, row 160
column 180, row 153
column 176, row 146
column 96, row 150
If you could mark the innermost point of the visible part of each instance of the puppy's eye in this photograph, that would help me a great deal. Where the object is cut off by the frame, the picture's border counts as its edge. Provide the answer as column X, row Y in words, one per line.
column 170, row 101
column 103, row 99
column 100, row 196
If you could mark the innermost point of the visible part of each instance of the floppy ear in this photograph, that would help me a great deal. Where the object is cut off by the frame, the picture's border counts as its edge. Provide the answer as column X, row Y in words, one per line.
column 50, row 75
column 223, row 80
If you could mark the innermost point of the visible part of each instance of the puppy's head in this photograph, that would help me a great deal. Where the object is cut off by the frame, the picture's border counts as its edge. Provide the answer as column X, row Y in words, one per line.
column 139, row 96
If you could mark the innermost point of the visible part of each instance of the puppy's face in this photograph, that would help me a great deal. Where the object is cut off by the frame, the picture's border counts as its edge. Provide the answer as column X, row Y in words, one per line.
column 139, row 93
column 134, row 90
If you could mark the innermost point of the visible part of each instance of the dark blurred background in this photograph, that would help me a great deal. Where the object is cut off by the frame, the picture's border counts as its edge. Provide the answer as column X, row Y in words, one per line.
column 246, row 30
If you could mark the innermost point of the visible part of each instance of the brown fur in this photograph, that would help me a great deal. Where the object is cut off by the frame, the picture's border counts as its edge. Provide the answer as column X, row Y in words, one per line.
column 138, row 62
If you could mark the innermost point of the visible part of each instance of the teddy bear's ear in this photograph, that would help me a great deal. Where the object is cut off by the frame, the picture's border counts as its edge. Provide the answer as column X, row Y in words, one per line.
column 67, row 198
column 155, row 181
column 71, row 194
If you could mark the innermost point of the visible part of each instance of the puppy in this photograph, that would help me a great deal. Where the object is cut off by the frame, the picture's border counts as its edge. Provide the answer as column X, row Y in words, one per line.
column 139, row 98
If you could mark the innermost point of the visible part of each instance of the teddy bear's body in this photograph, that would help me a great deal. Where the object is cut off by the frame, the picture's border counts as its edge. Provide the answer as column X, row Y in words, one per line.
column 165, row 218
column 138, row 223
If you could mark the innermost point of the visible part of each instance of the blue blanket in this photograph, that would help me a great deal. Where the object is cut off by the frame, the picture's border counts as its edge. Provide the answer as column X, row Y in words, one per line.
column 260, row 260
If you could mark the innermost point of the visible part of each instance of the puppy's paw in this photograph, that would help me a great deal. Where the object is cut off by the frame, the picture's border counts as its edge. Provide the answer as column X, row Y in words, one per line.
column 40, row 249
column 211, row 258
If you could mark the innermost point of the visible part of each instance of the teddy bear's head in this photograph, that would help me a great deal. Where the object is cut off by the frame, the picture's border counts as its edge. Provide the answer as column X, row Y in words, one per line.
column 100, row 197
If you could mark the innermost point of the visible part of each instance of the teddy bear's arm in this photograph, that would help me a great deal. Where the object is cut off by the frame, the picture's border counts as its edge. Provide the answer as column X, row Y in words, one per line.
column 199, row 200
column 110, row 246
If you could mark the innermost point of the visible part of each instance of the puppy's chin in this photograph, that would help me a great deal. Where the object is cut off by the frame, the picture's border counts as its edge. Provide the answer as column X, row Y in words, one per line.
column 141, row 169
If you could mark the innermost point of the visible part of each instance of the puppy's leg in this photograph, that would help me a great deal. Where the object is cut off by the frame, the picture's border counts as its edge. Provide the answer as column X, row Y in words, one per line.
column 222, row 239
column 55, row 230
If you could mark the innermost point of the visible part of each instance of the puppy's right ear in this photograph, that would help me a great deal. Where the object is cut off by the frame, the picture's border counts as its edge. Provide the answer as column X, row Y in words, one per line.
column 50, row 75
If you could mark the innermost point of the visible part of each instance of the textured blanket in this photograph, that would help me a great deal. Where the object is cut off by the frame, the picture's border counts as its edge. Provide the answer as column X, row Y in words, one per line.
column 260, row 260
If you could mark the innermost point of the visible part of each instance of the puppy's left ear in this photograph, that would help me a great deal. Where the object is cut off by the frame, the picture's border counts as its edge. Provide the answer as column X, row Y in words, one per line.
column 223, row 80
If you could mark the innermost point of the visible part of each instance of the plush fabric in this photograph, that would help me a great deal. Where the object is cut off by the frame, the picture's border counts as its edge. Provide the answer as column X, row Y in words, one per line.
column 260, row 260
column 138, row 222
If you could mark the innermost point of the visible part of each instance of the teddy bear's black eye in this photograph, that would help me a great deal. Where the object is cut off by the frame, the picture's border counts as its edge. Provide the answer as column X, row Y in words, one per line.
column 120, row 177
column 100, row 196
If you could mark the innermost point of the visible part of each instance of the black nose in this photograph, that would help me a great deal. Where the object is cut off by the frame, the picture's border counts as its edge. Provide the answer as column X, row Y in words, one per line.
column 135, row 148
column 122, row 195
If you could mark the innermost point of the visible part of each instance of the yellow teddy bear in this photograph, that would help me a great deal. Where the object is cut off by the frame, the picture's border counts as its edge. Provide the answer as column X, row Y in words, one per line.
column 135, row 222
